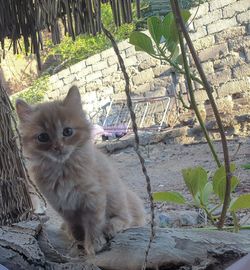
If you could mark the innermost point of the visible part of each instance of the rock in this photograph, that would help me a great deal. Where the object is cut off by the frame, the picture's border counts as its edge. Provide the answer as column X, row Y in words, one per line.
column 178, row 219
column 24, row 246
column 243, row 118
column 176, row 132
column 174, row 249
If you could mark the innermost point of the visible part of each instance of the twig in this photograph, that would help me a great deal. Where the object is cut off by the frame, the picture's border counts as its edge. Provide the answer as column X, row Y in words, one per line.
column 55, row 70
column 137, row 142
column 176, row 10
column 237, row 151
column 179, row 96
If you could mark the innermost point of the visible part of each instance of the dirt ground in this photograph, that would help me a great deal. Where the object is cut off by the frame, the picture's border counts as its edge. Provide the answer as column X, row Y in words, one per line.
column 164, row 163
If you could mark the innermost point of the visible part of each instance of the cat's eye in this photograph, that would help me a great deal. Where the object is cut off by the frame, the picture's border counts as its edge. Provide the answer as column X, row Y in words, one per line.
column 67, row 131
column 43, row 137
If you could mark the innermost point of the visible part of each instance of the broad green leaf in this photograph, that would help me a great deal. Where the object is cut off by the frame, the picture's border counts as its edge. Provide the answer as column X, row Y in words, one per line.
column 185, row 14
column 242, row 202
column 206, row 192
column 246, row 166
column 155, row 28
column 197, row 200
column 172, row 45
column 175, row 54
column 221, row 187
column 141, row 42
column 169, row 29
column 179, row 61
column 221, row 173
column 219, row 181
column 173, row 197
column 195, row 179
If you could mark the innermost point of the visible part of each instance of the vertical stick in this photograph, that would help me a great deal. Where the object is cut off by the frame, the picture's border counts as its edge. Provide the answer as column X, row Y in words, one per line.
column 176, row 11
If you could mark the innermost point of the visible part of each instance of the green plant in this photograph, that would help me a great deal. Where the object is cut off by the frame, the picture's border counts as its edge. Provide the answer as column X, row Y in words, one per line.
column 71, row 52
column 163, row 44
column 208, row 195
column 246, row 166
column 35, row 93
column 166, row 36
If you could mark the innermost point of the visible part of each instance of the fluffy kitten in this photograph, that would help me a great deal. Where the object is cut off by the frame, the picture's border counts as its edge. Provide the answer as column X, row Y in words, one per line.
column 77, row 179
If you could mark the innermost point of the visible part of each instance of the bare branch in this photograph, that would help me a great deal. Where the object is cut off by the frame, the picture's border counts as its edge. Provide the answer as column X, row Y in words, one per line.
column 137, row 142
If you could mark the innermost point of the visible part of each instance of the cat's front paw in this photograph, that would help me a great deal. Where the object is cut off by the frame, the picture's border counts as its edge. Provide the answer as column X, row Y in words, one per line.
column 114, row 226
column 109, row 231
column 100, row 244
column 76, row 249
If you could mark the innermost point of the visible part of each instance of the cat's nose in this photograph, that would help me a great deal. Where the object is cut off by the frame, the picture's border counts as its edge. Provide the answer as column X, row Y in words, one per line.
column 58, row 147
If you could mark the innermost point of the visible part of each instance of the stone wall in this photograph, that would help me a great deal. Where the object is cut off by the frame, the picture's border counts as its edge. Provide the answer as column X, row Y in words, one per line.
column 221, row 36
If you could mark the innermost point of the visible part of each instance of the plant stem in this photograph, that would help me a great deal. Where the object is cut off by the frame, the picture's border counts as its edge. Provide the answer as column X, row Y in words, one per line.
column 210, row 216
column 236, row 223
column 183, row 102
column 213, row 209
column 231, row 228
column 192, row 97
column 175, row 65
column 176, row 10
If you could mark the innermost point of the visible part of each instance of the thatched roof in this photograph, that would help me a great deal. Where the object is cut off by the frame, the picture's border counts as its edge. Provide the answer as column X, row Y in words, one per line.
column 26, row 18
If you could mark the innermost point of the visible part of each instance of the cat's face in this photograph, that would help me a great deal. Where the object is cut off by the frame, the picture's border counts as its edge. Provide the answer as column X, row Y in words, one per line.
column 55, row 129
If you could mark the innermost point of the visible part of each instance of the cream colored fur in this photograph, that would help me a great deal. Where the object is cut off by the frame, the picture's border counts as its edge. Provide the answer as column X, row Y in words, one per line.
column 78, row 180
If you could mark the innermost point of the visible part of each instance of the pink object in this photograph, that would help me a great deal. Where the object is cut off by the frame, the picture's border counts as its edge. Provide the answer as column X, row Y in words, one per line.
column 97, row 131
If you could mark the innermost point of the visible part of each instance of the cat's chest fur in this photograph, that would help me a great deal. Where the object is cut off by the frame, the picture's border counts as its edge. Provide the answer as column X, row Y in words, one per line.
column 67, row 185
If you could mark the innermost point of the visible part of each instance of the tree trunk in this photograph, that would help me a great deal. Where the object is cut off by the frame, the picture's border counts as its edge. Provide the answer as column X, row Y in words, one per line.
column 15, row 202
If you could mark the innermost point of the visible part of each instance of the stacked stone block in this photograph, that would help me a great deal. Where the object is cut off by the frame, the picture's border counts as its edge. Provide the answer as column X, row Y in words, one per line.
column 221, row 35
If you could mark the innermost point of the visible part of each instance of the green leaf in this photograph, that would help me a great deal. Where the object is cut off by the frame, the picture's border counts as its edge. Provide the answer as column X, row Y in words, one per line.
column 242, row 202
column 141, row 42
column 185, row 14
column 169, row 28
column 206, row 192
column 175, row 54
column 246, row 166
column 179, row 60
column 172, row 45
column 173, row 197
column 195, row 179
column 220, row 172
column 197, row 200
column 219, row 181
column 155, row 28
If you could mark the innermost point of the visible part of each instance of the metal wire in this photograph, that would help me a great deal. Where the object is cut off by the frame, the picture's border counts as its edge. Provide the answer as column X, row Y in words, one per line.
column 151, row 114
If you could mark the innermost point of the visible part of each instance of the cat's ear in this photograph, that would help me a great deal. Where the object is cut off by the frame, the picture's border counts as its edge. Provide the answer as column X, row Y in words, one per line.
column 73, row 98
column 23, row 110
